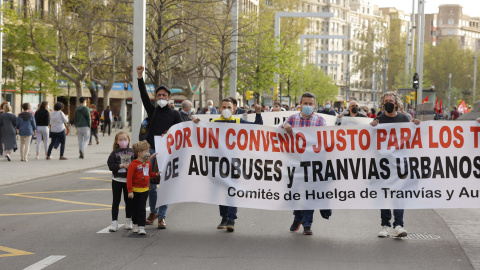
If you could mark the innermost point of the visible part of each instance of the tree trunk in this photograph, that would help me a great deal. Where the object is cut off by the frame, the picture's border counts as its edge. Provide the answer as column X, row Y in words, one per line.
column 106, row 96
column 78, row 88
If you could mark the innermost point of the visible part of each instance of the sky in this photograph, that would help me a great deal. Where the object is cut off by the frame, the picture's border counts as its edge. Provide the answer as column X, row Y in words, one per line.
column 470, row 7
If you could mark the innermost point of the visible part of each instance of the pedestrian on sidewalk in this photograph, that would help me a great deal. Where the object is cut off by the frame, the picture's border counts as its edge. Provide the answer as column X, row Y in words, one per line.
column 42, row 118
column 107, row 120
column 229, row 213
column 1, row 144
column 8, row 123
column 57, row 130
column 138, row 179
column 95, row 116
column 305, row 118
column 82, row 122
column 160, row 119
column 26, row 129
column 391, row 102
column 118, row 162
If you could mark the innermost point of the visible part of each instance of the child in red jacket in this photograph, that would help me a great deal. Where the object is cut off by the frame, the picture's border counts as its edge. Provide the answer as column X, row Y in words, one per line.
column 138, row 179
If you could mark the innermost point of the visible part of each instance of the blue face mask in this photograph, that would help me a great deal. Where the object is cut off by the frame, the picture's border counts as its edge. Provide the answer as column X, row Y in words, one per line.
column 307, row 110
column 328, row 106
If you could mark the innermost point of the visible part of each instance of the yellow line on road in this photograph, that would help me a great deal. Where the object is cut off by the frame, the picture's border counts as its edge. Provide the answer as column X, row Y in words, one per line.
column 57, row 212
column 13, row 252
column 58, row 191
column 96, row 179
column 59, row 200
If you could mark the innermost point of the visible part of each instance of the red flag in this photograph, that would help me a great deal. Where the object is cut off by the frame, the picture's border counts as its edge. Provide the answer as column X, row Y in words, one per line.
column 440, row 105
column 425, row 100
column 463, row 107
column 436, row 105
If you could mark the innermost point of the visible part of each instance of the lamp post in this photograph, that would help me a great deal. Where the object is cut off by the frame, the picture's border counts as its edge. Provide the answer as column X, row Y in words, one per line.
column 385, row 73
column 449, row 89
column 475, row 70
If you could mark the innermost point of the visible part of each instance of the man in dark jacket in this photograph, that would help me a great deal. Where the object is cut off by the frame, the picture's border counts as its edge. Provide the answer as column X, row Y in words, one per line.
column 229, row 213
column 161, row 118
column 328, row 109
column 185, row 110
column 236, row 109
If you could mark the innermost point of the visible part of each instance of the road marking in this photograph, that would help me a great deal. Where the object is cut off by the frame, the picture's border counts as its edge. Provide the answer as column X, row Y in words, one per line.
column 96, row 179
column 25, row 195
column 57, row 212
column 45, row 262
column 99, row 171
column 13, row 252
column 107, row 231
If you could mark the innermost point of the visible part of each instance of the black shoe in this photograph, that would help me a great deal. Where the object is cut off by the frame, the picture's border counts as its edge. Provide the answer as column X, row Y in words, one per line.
column 295, row 225
column 230, row 226
column 307, row 231
column 81, row 154
column 223, row 223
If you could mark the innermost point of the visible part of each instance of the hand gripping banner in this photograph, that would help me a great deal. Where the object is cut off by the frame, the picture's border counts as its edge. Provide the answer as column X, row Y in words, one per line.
column 401, row 166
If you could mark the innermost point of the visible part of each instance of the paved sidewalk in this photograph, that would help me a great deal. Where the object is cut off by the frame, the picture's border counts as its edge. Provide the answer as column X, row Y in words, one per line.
column 464, row 223
column 96, row 156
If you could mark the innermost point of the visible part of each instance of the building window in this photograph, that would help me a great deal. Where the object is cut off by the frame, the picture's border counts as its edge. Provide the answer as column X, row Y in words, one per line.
column 450, row 21
column 440, row 22
column 450, row 32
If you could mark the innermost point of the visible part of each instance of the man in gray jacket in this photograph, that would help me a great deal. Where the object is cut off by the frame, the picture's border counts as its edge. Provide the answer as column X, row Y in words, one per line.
column 82, row 122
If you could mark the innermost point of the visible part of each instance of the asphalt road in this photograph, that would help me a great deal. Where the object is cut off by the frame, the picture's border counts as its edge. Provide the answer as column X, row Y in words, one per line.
column 63, row 215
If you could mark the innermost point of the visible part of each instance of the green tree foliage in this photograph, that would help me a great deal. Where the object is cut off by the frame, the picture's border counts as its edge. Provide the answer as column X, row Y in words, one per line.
column 316, row 82
column 445, row 58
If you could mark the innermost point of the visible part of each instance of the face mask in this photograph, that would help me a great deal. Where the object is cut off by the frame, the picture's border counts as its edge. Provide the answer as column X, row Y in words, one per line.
column 162, row 103
column 123, row 144
column 328, row 106
column 307, row 110
column 354, row 110
column 226, row 113
column 91, row 109
column 191, row 110
column 210, row 107
column 48, row 107
column 389, row 107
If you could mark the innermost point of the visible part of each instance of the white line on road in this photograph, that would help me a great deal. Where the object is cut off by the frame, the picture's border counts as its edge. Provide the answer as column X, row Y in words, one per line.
column 107, row 231
column 45, row 262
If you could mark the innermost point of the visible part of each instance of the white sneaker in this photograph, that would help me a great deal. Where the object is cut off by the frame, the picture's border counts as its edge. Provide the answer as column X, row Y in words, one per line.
column 135, row 228
column 128, row 224
column 384, row 232
column 113, row 227
column 141, row 230
column 8, row 157
column 37, row 157
column 400, row 232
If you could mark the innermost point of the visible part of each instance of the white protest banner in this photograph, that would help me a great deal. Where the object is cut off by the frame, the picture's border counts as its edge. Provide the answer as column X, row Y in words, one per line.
column 272, row 119
column 401, row 166
column 349, row 121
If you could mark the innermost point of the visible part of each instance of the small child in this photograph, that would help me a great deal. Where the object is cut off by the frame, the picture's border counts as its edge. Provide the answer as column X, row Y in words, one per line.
column 138, row 179
column 118, row 162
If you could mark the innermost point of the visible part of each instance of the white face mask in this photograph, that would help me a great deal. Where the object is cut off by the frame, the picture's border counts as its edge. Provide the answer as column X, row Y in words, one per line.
column 226, row 113
column 162, row 103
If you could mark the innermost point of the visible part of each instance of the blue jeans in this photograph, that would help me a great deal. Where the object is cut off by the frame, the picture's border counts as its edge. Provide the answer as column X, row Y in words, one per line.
column 228, row 212
column 152, row 199
column 386, row 215
column 306, row 216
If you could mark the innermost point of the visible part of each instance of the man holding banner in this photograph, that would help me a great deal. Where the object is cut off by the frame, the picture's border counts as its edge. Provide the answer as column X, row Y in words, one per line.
column 229, row 213
column 390, row 102
column 305, row 118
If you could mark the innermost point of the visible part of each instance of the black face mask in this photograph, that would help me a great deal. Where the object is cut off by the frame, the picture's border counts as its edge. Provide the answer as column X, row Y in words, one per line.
column 354, row 110
column 389, row 107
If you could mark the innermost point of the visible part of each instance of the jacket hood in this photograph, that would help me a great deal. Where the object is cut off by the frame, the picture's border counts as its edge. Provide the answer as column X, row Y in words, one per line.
column 25, row 115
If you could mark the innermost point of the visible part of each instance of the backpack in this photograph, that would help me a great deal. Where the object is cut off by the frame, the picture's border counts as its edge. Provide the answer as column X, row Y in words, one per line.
column 145, row 127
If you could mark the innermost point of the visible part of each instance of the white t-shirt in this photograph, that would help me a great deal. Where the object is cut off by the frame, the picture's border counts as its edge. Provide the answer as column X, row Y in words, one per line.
column 57, row 121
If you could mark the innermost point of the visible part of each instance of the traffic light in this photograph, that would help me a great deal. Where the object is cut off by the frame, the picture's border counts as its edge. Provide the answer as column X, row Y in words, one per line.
column 413, row 95
column 407, row 99
column 249, row 95
column 415, row 81
column 275, row 91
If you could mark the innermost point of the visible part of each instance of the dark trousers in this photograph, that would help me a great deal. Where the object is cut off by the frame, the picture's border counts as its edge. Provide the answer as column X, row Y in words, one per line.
column 386, row 215
column 117, row 189
column 57, row 137
column 306, row 216
column 139, row 214
column 93, row 132
column 105, row 124
column 228, row 212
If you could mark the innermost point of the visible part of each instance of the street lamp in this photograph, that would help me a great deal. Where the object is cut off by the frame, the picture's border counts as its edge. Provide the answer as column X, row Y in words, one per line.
column 449, row 89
